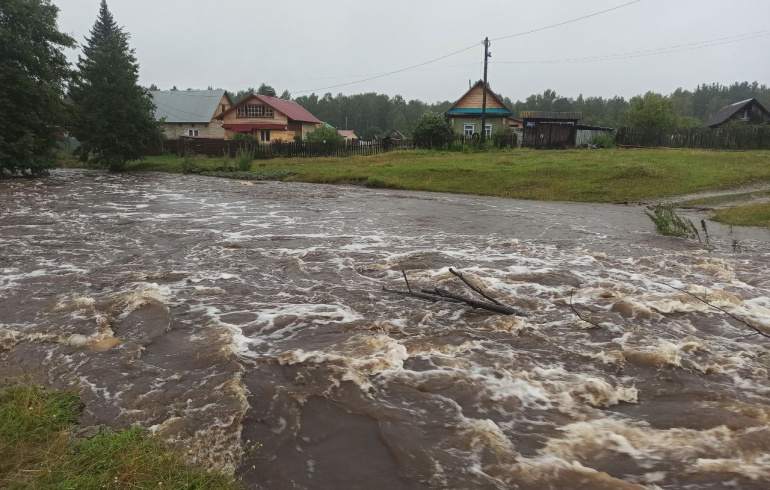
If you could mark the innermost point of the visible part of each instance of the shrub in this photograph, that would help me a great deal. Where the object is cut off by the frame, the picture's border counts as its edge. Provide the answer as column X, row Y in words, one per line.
column 245, row 137
column 188, row 164
column 325, row 134
column 668, row 223
column 244, row 157
column 501, row 137
column 431, row 129
column 604, row 140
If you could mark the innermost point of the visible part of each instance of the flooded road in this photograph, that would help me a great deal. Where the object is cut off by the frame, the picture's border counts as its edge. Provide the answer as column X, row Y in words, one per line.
column 219, row 314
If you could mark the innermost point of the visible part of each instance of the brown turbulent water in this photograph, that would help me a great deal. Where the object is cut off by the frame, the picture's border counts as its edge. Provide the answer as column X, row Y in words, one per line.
column 219, row 314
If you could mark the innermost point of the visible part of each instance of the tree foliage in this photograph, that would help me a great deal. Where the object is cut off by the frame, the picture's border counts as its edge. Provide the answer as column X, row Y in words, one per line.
column 33, row 71
column 432, row 127
column 265, row 89
column 114, row 117
column 324, row 134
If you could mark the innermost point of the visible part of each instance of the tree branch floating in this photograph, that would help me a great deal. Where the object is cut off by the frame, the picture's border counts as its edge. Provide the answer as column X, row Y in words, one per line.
column 574, row 310
column 756, row 329
column 442, row 295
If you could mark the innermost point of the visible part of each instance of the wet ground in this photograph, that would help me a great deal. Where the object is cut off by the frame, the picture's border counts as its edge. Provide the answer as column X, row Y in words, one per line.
column 223, row 314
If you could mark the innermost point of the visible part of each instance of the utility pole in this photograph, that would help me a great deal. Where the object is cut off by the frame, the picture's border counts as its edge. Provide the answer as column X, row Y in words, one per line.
column 487, row 55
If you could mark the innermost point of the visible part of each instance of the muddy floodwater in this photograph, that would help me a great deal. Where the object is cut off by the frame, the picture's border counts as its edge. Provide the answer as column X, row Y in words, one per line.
column 222, row 315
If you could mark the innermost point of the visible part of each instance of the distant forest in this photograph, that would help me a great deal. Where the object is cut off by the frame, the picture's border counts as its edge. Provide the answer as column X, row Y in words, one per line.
column 372, row 114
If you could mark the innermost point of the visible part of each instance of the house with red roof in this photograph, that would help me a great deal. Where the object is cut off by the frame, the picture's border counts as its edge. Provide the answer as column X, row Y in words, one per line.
column 348, row 134
column 268, row 119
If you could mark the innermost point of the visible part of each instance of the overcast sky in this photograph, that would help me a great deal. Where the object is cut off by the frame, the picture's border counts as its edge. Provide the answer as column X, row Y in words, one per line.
column 310, row 44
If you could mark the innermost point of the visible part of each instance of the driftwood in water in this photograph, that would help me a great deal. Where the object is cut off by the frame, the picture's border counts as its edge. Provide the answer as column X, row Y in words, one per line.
column 757, row 331
column 574, row 310
column 438, row 294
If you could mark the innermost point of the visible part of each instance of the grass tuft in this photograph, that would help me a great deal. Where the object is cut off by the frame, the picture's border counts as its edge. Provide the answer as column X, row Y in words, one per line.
column 748, row 215
column 38, row 451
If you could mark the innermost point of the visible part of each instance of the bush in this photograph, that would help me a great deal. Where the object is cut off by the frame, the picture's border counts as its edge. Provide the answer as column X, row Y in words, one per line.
column 668, row 223
column 325, row 134
column 244, row 157
column 431, row 129
column 188, row 164
column 604, row 140
column 245, row 137
column 501, row 137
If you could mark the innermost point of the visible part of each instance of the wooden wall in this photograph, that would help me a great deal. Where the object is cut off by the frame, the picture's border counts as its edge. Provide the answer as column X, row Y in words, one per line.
column 474, row 100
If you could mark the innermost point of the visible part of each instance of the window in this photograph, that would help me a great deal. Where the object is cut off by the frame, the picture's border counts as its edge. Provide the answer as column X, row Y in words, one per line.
column 468, row 129
column 265, row 136
column 488, row 128
column 745, row 115
column 223, row 108
column 192, row 132
column 255, row 110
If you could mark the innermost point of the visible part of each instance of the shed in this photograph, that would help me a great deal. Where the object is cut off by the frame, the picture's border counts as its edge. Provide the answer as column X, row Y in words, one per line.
column 748, row 111
column 549, row 129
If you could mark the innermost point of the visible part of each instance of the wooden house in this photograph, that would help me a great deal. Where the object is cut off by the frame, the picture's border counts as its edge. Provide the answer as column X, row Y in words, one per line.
column 269, row 119
column 749, row 112
column 396, row 135
column 465, row 115
column 192, row 113
column 548, row 129
column 348, row 134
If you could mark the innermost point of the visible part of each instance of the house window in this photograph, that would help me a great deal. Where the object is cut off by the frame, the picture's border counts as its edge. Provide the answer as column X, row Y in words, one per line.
column 223, row 108
column 488, row 128
column 264, row 136
column 192, row 132
column 745, row 115
column 255, row 110
column 468, row 129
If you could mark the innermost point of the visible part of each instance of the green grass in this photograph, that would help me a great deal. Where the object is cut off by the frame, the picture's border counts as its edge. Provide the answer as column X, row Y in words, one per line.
column 572, row 175
column 748, row 215
column 668, row 223
column 37, row 450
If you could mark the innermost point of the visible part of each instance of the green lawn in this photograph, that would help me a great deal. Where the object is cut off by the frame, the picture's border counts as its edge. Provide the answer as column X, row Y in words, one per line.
column 748, row 215
column 38, row 451
column 572, row 175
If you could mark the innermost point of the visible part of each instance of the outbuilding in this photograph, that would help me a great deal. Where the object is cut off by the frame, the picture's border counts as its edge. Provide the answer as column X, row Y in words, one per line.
column 549, row 129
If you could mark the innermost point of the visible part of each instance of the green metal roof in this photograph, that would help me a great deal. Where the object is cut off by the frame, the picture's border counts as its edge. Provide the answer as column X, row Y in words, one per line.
column 498, row 112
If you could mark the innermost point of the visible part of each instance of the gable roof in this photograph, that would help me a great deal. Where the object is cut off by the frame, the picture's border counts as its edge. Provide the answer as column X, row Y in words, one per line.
column 396, row 134
column 187, row 106
column 727, row 112
column 291, row 109
column 454, row 110
column 347, row 132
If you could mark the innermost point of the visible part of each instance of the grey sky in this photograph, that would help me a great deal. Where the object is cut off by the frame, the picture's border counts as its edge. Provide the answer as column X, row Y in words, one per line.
column 234, row 44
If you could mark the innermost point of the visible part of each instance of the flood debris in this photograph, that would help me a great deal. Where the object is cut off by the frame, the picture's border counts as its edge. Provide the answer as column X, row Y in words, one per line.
column 437, row 294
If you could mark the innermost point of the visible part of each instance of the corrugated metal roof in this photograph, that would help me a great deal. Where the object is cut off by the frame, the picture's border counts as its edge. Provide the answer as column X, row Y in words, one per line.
column 186, row 106
column 726, row 113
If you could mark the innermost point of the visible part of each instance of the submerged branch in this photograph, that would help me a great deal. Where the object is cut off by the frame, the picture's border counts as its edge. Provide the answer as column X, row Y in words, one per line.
column 482, row 305
column 474, row 288
column 756, row 329
column 574, row 310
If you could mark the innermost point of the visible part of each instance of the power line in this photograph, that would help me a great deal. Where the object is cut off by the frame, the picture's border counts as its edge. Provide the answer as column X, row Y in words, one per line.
column 647, row 52
column 391, row 72
column 568, row 21
column 175, row 111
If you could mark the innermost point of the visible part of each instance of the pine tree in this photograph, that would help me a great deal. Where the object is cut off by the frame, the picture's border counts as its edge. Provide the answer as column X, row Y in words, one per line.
column 105, row 26
column 114, row 117
column 33, row 72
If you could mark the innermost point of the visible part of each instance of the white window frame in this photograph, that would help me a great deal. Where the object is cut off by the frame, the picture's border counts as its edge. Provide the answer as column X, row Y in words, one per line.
column 469, row 127
column 489, row 130
column 192, row 133
column 264, row 136
column 745, row 115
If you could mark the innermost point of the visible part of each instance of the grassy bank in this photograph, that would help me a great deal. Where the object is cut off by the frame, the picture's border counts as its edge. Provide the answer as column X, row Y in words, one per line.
column 38, row 450
column 572, row 175
column 748, row 215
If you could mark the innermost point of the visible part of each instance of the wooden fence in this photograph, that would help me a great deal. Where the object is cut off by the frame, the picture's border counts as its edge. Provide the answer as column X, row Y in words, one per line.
column 218, row 147
column 733, row 138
